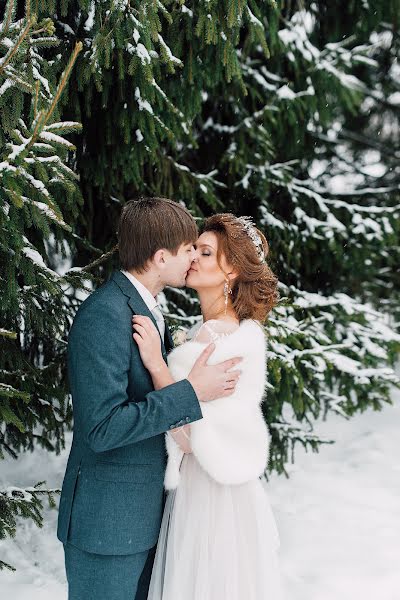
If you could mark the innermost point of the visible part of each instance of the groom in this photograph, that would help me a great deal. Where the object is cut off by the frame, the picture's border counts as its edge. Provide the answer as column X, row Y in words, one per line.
column 112, row 496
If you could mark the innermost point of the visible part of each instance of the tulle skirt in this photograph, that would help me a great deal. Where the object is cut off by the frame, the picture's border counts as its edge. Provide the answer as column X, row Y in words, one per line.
column 217, row 542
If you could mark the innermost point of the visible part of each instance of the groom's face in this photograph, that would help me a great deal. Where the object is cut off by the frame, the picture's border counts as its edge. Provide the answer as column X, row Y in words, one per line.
column 177, row 266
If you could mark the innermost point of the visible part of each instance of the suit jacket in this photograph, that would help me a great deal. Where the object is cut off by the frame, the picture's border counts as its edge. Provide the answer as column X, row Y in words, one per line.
column 112, row 494
column 232, row 440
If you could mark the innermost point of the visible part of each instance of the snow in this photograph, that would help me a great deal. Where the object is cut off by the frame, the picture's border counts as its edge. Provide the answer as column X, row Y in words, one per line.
column 8, row 83
column 31, row 253
column 186, row 10
column 394, row 99
column 66, row 28
column 168, row 101
column 88, row 26
column 44, row 208
column 285, row 92
column 136, row 35
column 168, row 52
column 268, row 87
column 63, row 125
column 253, row 19
column 52, row 137
column 338, row 516
column 296, row 34
column 141, row 51
column 5, row 166
column 43, row 80
column 6, row 333
column 36, row 183
column 143, row 104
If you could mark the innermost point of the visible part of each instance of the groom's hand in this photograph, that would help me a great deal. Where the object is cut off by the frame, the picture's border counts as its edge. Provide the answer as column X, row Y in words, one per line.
column 213, row 381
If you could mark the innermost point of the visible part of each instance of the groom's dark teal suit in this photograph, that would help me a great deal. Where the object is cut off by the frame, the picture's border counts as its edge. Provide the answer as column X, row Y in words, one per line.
column 112, row 496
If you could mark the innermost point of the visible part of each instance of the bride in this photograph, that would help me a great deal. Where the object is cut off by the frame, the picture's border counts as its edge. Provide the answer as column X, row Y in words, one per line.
column 218, row 537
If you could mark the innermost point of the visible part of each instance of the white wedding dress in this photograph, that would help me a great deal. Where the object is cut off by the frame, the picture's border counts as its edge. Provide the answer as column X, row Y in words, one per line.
column 217, row 542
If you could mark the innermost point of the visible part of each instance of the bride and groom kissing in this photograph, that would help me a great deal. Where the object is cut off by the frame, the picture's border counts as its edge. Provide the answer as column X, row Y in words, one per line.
column 161, row 498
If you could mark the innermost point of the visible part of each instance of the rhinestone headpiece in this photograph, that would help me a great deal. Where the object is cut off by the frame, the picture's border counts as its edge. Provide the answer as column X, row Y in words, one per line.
column 251, row 231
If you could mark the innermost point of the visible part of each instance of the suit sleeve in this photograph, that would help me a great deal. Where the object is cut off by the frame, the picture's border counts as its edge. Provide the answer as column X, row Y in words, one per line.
column 99, row 355
column 231, row 442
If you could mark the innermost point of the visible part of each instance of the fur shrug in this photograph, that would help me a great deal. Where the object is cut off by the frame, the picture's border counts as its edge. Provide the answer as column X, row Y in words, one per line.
column 231, row 441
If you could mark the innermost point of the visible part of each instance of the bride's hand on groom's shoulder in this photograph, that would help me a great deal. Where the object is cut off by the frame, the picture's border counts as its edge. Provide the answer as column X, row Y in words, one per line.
column 148, row 339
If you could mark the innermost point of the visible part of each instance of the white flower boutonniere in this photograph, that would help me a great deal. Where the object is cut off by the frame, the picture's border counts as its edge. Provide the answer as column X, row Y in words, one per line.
column 179, row 336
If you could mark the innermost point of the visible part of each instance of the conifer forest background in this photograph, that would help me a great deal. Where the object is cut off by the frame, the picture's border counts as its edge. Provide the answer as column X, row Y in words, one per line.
column 284, row 110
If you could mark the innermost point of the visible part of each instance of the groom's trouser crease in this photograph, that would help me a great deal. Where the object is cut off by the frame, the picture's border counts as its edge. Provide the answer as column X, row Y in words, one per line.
column 106, row 577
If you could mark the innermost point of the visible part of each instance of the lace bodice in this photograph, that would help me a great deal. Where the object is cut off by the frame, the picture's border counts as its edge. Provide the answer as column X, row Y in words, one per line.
column 211, row 331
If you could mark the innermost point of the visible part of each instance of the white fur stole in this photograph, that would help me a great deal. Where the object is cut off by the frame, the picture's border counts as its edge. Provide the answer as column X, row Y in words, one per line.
column 231, row 441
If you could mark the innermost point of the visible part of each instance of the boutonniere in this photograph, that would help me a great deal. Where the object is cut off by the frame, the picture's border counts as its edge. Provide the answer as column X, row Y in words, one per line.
column 179, row 336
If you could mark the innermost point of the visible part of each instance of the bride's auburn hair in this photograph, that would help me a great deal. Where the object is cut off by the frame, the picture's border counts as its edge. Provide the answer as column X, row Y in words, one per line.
column 255, row 289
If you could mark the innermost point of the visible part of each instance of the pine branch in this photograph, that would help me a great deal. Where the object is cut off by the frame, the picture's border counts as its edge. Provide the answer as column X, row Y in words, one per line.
column 8, row 334
column 15, row 48
column 63, row 81
column 103, row 258
column 8, row 18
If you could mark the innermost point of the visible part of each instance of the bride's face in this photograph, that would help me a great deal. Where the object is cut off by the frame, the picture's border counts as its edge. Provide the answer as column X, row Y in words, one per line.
column 205, row 271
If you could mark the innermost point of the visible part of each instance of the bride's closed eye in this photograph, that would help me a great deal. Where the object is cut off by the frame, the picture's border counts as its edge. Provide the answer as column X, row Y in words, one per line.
column 204, row 252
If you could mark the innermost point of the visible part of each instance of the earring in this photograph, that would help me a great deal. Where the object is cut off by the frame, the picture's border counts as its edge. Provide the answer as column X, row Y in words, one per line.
column 227, row 291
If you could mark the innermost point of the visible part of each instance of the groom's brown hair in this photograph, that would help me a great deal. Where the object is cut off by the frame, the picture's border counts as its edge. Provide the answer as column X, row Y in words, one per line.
column 149, row 224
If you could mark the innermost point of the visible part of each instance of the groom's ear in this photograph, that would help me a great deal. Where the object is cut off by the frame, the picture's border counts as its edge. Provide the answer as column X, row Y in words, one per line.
column 159, row 257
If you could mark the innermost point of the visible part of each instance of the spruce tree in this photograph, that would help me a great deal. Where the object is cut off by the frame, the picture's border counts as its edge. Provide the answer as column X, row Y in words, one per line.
column 39, row 197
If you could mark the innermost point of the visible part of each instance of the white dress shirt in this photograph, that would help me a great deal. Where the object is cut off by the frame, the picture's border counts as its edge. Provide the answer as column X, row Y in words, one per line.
column 149, row 300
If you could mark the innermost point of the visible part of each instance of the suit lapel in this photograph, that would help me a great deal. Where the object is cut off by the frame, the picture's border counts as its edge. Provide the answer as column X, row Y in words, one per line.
column 136, row 303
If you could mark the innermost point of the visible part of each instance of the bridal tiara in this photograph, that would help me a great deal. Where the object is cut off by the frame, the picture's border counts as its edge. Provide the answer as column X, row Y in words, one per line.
column 251, row 231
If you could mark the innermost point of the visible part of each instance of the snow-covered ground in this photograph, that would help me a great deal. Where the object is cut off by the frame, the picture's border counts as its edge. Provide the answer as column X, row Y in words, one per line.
column 338, row 516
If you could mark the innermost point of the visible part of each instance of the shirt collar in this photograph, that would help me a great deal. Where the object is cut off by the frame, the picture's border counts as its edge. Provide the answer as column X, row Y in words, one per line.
column 146, row 295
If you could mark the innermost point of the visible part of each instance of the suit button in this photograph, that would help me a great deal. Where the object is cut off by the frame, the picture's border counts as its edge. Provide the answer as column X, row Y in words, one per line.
column 187, row 419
